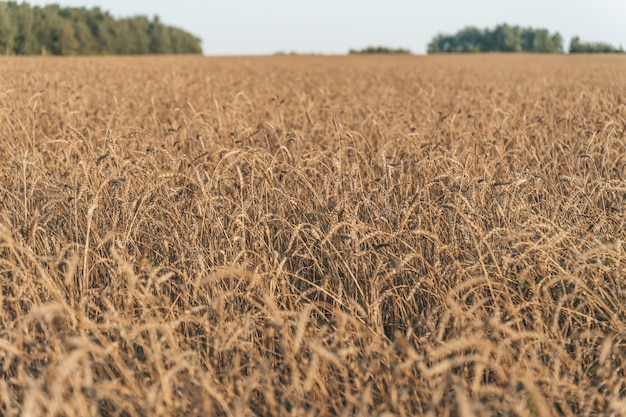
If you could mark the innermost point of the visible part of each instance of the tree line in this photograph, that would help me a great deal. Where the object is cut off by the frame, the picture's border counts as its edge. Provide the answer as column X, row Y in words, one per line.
column 55, row 30
column 379, row 50
column 505, row 38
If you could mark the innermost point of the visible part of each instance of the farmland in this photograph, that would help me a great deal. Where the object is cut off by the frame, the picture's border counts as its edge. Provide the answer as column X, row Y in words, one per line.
column 309, row 235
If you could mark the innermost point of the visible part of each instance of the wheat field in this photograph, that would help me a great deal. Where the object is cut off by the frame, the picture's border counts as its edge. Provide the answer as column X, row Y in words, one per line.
column 313, row 236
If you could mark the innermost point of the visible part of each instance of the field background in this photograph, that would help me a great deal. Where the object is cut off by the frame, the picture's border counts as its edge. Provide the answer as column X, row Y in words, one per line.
column 304, row 235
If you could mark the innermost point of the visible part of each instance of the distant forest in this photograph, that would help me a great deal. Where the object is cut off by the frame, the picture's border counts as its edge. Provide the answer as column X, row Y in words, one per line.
column 55, row 30
column 379, row 50
column 505, row 38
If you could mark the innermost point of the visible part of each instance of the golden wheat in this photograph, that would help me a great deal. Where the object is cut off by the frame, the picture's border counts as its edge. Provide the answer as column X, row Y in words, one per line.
column 313, row 236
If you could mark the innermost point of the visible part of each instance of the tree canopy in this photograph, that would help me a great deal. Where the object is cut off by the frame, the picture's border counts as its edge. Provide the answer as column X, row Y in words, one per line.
column 503, row 38
column 577, row 47
column 55, row 30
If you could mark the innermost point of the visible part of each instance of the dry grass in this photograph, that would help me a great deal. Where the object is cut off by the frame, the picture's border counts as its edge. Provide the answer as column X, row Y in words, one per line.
column 313, row 236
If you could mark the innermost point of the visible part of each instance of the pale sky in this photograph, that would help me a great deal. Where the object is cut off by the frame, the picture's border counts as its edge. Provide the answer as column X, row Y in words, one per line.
column 242, row 27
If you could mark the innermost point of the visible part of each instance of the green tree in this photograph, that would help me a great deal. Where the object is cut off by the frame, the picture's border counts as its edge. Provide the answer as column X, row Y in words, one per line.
column 433, row 46
column 447, row 43
column 25, row 39
column 470, row 39
column 557, row 42
column 183, row 42
column 84, row 38
column 7, row 29
column 507, row 39
column 528, row 41
column 138, row 37
column 544, row 42
column 575, row 45
column 160, row 42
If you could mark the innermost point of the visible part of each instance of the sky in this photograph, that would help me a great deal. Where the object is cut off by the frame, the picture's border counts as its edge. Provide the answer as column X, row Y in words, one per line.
column 254, row 27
